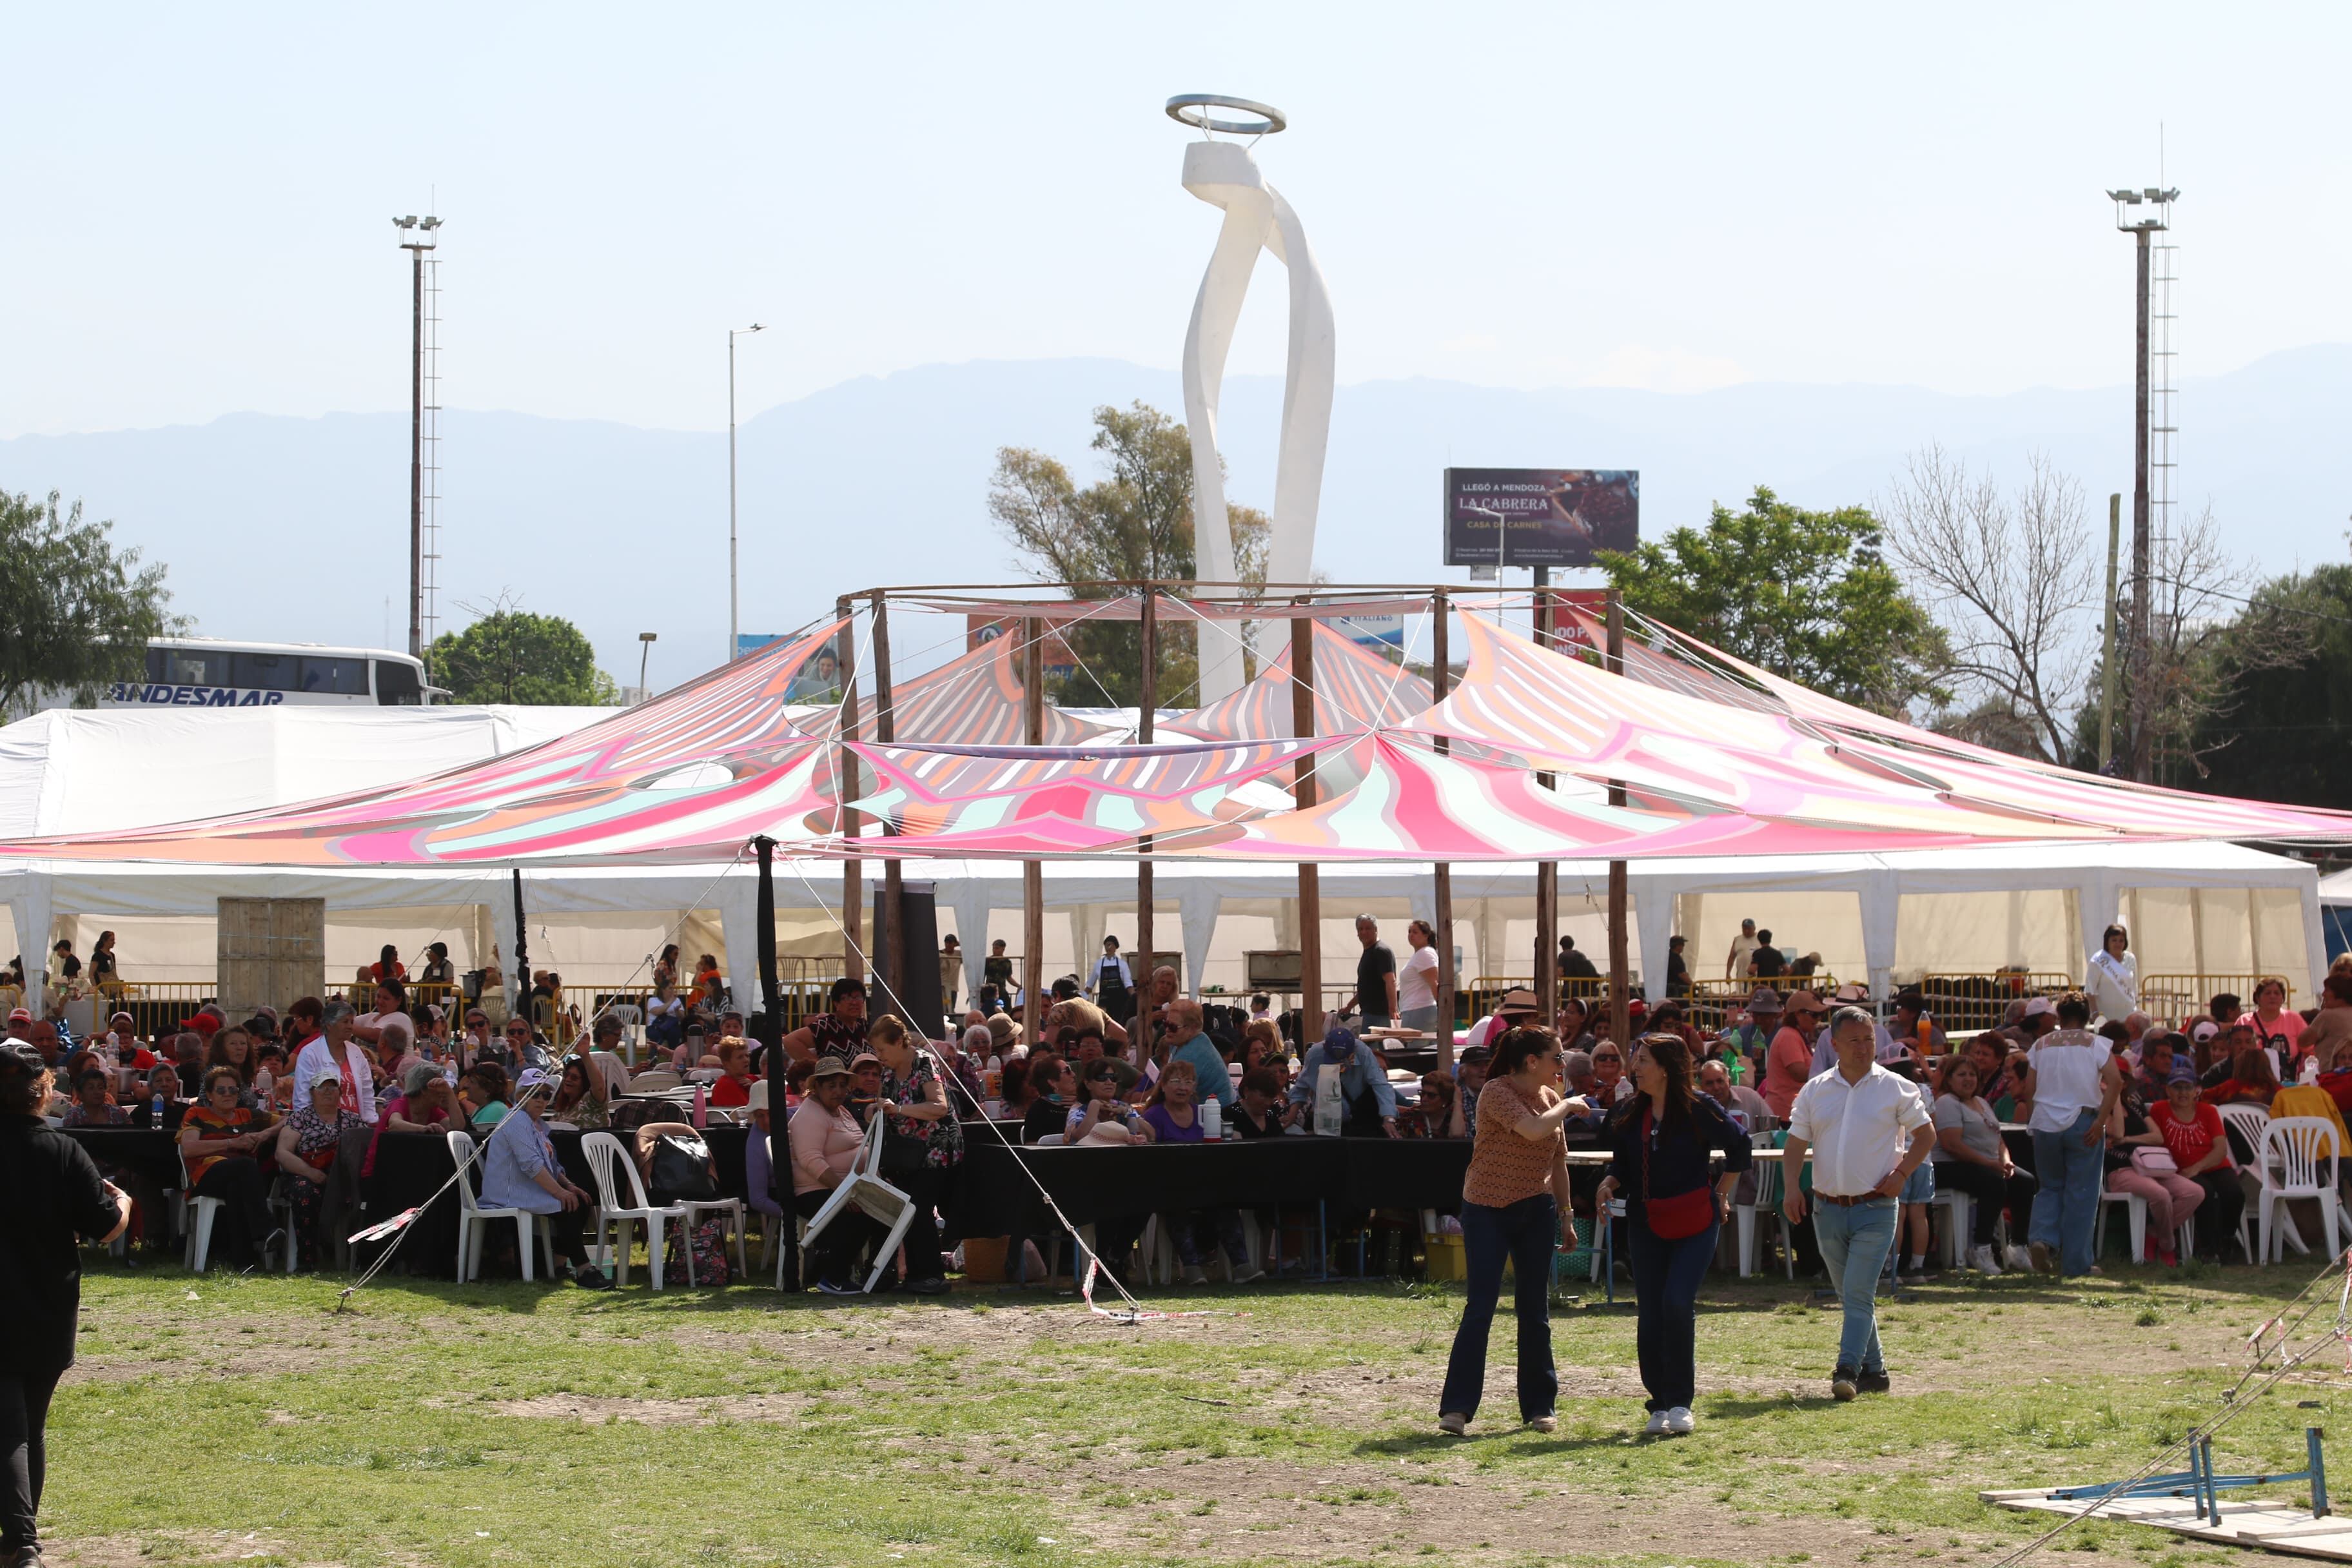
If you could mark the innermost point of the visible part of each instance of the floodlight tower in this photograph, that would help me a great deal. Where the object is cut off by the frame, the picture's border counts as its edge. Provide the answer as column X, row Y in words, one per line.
column 418, row 236
column 2143, row 214
column 1222, row 174
column 734, row 627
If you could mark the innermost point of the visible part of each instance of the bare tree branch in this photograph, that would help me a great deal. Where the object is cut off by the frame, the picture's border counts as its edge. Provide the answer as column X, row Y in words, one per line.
column 2009, row 579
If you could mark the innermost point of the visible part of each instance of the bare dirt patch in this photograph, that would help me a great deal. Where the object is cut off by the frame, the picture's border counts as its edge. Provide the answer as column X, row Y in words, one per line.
column 171, row 1546
column 1348, row 1511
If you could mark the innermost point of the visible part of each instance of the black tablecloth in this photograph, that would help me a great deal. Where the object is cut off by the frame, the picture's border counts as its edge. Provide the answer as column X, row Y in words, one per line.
column 152, row 1154
column 995, row 1198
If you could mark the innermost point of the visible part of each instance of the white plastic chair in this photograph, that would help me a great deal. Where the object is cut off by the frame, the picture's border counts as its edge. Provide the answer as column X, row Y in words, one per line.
column 1959, row 1217
column 880, row 1201
column 2135, row 1220
column 2249, row 1119
column 2295, row 1145
column 1767, row 1202
column 616, row 1072
column 609, row 1161
column 473, row 1219
column 196, row 1233
column 2136, row 1217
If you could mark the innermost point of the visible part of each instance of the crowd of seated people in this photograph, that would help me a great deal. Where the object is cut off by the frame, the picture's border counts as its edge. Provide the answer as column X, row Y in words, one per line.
column 261, row 1109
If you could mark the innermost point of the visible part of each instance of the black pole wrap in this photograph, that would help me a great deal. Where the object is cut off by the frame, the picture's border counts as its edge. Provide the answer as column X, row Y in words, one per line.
column 769, row 1027
column 522, row 949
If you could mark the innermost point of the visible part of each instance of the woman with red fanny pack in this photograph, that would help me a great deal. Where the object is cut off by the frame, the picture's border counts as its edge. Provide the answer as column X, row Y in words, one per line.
column 1661, row 1143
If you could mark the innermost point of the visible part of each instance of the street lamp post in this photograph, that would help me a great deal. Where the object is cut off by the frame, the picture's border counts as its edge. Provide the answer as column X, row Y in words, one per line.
column 645, row 651
column 734, row 629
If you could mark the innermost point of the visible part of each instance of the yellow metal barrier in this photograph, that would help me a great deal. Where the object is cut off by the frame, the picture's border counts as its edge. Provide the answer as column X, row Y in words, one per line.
column 1712, row 1002
column 1981, row 1000
column 156, row 1006
column 2171, row 997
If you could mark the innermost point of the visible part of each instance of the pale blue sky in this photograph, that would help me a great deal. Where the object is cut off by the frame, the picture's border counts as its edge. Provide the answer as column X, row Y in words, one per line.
column 197, row 199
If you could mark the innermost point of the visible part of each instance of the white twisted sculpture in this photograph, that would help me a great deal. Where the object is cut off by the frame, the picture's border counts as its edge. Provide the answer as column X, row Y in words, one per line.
column 1223, row 175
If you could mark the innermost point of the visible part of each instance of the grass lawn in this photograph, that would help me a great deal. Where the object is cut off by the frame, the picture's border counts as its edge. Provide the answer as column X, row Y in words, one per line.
column 232, row 1420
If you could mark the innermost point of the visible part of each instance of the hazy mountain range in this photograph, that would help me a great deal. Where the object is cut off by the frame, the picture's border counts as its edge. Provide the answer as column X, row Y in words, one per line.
column 296, row 529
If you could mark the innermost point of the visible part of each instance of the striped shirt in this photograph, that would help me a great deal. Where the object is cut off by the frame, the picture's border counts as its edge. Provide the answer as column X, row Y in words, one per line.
column 1504, row 1166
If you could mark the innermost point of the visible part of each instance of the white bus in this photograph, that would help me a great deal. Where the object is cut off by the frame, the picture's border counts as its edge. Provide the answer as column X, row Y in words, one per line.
column 214, row 672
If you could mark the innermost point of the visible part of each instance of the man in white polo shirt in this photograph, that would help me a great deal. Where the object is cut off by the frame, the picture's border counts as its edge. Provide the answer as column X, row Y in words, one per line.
column 1867, row 1130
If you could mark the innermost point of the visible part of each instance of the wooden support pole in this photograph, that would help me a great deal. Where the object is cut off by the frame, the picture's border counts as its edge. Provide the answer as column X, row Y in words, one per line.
column 1547, row 871
column 1310, row 885
column 1620, row 983
column 1141, row 959
column 1033, row 873
column 1442, row 873
column 890, row 929
column 845, row 775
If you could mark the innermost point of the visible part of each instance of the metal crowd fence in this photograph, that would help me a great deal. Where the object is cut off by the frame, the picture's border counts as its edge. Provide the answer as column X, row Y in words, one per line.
column 1712, row 1002
column 2172, row 997
column 1981, row 1000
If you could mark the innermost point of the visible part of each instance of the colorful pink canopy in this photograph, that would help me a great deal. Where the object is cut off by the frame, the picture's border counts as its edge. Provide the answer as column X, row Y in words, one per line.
column 690, row 776
column 1666, row 745
column 1715, row 758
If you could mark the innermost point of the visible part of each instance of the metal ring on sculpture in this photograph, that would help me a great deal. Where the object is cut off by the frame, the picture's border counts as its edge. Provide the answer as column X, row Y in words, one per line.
column 1190, row 108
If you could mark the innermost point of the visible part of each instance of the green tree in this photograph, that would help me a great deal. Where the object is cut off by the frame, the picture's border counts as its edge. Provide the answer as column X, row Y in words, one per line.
column 1806, row 594
column 2279, row 730
column 74, row 612
column 510, row 655
column 1132, row 525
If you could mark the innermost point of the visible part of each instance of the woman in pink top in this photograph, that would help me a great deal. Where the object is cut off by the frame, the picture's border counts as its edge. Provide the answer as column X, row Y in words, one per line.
column 826, row 1139
column 2278, row 1026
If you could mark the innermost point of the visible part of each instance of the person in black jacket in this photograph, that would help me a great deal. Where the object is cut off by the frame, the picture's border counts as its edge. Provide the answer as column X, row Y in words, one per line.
column 50, row 1193
column 1661, row 1142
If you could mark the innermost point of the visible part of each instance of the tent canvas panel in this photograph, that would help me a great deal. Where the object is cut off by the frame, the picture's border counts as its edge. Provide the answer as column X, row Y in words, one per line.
column 1829, row 923
column 2034, row 928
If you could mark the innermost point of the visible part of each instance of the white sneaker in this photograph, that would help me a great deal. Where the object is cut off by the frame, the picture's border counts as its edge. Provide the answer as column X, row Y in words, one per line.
column 1195, row 1275
column 1680, row 1422
column 1981, row 1259
column 1657, row 1426
column 1249, row 1277
column 2017, row 1259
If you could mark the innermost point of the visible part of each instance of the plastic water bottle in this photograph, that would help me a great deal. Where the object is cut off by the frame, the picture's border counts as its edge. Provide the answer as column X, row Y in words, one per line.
column 701, row 1106
column 155, row 1111
column 1212, row 1121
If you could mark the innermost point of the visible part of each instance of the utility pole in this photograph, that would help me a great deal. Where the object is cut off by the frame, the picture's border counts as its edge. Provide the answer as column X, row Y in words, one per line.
column 418, row 235
column 2143, row 230
column 2107, row 641
column 734, row 626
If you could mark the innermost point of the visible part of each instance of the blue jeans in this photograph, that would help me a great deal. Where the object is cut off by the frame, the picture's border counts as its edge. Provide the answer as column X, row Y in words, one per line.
column 1666, row 1278
column 1855, row 1241
column 2067, row 1203
column 1524, row 1231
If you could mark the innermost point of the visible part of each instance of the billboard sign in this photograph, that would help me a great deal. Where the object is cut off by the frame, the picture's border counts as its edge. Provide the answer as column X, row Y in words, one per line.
column 1383, row 635
column 1540, row 517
